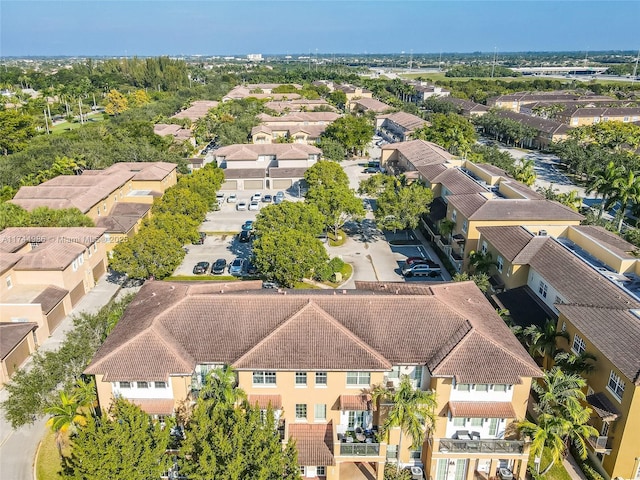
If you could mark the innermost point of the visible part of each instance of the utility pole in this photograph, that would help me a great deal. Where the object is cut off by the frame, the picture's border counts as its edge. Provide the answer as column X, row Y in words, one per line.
column 80, row 108
column 635, row 69
column 495, row 54
column 46, row 122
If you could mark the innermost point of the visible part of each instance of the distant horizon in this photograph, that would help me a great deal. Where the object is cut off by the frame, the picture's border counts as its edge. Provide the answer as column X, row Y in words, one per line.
column 113, row 28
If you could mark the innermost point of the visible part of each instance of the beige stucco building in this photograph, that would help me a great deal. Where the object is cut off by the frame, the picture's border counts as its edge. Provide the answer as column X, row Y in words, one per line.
column 297, row 127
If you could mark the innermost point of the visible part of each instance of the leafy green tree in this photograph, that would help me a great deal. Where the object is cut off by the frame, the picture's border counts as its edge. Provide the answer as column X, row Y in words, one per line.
column 332, row 149
column 64, row 217
column 326, row 174
column 16, row 129
column 303, row 217
column 12, row 216
column 338, row 98
column 399, row 207
column 524, row 172
column 182, row 227
column 117, row 103
column 151, row 253
column 569, row 362
column 221, row 388
column 337, row 204
column 289, row 255
column 480, row 279
column 139, row 98
column 125, row 444
column 411, row 409
column 541, row 341
column 352, row 132
column 625, row 190
column 451, row 131
column 481, row 262
column 602, row 183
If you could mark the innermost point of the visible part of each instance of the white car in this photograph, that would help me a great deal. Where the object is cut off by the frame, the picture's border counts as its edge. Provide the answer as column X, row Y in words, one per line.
column 254, row 205
column 256, row 197
column 232, row 198
column 241, row 205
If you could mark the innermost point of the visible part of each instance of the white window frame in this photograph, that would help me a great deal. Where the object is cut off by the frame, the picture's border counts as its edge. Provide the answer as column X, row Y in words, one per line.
column 459, row 421
column 454, row 216
column 320, row 412
column 143, row 385
column 356, row 379
column 476, row 422
column 264, row 376
column 617, row 390
column 9, row 282
column 484, row 247
column 124, row 384
column 578, row 346
column 321, row 471
column 500, row 387
column 74, row 265
column 481, row 387
column 301, row 379
column 465, row 225
column 321, row 376
column 159, row 384
column 500, row 263
column 299, row 417
column 463, row 387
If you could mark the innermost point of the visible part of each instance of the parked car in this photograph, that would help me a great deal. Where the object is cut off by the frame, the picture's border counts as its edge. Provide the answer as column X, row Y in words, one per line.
column 421, row 270
column 254, row 205
column 241, row 205
column 237, row 267
column 220, row 198
column 200, row 240
column 251, row 269
column 412, row 260
column 267, row 198
column 200, row 268
column 371, row 170
column 244, row 236
column 247, row 226
column 268, row 284
column 219, row 266
column 278, row 198
column 256, row 197
column 232, row 198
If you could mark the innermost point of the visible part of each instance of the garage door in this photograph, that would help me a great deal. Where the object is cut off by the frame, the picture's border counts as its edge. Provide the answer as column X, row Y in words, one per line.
column 230, row 185
column 253, row 184
column 77, row 293
column 17, row 357
column 98, row 271
column 55, row 316
column 282, row 184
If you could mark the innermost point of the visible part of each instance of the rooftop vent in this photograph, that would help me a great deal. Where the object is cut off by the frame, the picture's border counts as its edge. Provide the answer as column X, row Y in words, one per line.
column 542, row 233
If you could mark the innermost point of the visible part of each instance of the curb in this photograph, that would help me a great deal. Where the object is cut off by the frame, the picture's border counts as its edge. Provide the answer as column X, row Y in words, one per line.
column 35, row 461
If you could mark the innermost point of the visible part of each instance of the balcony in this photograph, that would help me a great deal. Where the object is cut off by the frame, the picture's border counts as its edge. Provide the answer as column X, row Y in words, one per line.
column 360, row 449
column 600, row 444
column 481, row 446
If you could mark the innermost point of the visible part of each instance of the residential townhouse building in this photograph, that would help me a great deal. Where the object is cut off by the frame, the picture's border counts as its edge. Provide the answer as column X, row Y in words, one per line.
column 577, row 117
column 466, row 108
column 589, row 280
column 17, row 343
column 352, row 92
column 424, row 90
column 364, row 105
column 515, row 101
column 177, row 132
column 46, row 271
column 301, row 105
column 547, row 131
column 260, row 91
column 399, row 126
column 313, row 356
column 197, row 109
column 269, row 165
column 298, row 127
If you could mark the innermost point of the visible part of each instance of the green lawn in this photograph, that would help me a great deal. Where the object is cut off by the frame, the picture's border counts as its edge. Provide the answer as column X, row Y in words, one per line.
column 48, row 462
column 68, row 126
column 557, row 472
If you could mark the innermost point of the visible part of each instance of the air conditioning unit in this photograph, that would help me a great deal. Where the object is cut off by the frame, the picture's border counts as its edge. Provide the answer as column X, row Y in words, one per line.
column 542, row 233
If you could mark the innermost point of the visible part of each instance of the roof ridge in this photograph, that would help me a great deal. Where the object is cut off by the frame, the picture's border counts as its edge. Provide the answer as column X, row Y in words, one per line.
column 163, row 335
column 313, row 305
column 457, row 344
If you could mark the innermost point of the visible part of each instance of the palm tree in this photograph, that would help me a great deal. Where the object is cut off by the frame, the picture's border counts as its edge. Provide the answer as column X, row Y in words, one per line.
column 481, row 261
column 446, row 227
column 64, row 419
column 222, row 388
column 85, row 394
column 546, row 434
column 525, row 172
column 541, row 341
column 625, row 190
column 411, row 409
column 572, row 363
column 558, row 391
column 602, row 184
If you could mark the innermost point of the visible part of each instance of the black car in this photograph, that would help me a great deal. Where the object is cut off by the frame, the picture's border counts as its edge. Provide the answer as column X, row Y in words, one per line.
column 245, row 236
column 219, row 266
column 200, row 268
column 371, row 170
column 200, row 239
column 251, row 269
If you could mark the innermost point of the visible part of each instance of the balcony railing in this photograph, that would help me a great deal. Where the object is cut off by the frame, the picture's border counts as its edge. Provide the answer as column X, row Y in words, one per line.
column 599, row 444
column 481, row 446
column 360, row 449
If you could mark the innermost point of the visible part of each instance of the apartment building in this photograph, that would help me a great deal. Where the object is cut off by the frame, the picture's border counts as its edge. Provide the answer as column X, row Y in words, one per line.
column 398, row 127
column 301, row 105
column 261, row 91
column 269, row 165
column 197, row 110
column 314, row 356
column 298, row 127
column 364, row 105
column 547, row 131
column 515, row 101
column 577, row 117
column 466, row 108
column 17, row 342
column 178, row 133
column 589, row 280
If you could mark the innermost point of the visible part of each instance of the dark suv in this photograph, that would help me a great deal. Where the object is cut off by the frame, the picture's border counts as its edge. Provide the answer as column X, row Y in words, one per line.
column 219, row 266
column 200, row 268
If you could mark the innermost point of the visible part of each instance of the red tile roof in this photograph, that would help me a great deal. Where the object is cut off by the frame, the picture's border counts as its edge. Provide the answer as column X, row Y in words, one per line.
column 314, row 443
column 355, row 402
column 482, row 409
column 264, row 401
column 155, row 406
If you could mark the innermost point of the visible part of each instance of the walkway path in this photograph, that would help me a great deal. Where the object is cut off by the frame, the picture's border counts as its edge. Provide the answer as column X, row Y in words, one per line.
column 18, row 447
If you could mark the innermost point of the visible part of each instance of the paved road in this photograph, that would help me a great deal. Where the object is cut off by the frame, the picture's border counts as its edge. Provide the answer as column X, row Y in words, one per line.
column 18, row 447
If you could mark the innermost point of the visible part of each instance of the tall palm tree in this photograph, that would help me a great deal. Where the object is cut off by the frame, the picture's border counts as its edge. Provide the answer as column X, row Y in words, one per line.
column 572, row 363
column 64, row 419
column 541, row 341
column 625, row 190
column 85, row 394
column 481, row 261
column 546, row 434
column 558, row 392
column 602, row 183
column 411, row 409
column 222, row 388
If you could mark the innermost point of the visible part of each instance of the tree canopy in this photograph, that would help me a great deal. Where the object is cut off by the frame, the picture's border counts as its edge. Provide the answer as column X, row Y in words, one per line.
column 352, row 132
column 300, row 216
column 451, row 131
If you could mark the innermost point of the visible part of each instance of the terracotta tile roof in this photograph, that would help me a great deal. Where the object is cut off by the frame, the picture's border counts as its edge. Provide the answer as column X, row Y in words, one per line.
column 366, row 330
column 11, row 334
column 372, row 104
column 297, row 105
column 431, row 172
column 406, row 120
column 614, row 332
column 314, row 443
column 540, row 124
column 8, row 260
column 301, row 342
column 468, row 203
column 264, row 401
column 236, row 173
column 143, row 171
column 508, row 240
column 603, row 407
column 477, row 207
column 287, row 172
column 252, row 151
column 197, row 110
column 458, row 183
column 130, row 209
column 482, row 409
column 155, row 406
column 529, row 250
column 613, row 242
column 299, row 117
column 420, row 152
column 50, row 256
column 355, row 402
column 467, row 106
column 50, row 297
column 117, row 223
column 576, row 281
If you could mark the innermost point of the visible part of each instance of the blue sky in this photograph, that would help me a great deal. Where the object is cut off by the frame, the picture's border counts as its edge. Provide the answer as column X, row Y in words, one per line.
column 216, row 27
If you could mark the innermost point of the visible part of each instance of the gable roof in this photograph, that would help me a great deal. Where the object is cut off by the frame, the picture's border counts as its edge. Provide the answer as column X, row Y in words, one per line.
column 420, row 152
column 408, row 121
column 508, row 240
column 11, row 334
column 613, row 242
column 372, row 329
column 314, row 443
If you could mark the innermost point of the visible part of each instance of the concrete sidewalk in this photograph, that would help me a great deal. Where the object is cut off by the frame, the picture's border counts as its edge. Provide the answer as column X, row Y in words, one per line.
column 18, row 447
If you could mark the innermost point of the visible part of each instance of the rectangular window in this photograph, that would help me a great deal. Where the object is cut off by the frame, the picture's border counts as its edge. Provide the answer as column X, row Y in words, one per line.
column 303, row 470
column 320, row 412
column 143, row 385
column 301, row 379
column 459, row 421
column 493, row 426
column 500, row 388
column 485, row 247
column 301, row 411
column 564, row 326
column 321, row 378
column 264, row 378
column 417, row 373
column 356, row 419
column 125, row 384
column 392, row 452
column 9, row 282
column 578, row 345
column 465, row 226
column 477, row 422
column 394, row 373
column 160, row 384
column 358, row 378
column 463, row 387
column 80, row 259
column 415, row 454
column 321, row 470
column 454, row 216
column 500, row 262
column 482, row 387
column 74, row 265
column 542, row 289
column 615, row 385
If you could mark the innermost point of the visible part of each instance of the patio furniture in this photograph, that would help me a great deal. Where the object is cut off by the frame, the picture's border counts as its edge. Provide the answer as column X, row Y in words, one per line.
column 360, row 437
column 475, row 435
